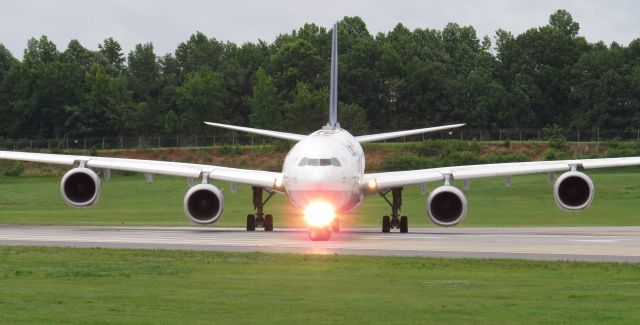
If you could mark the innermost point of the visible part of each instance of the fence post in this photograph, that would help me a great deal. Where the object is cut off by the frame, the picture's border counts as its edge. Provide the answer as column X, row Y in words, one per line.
column 598, row 134
column 214, row 140
column 178, row 142
column 578, row 135
column 158, row 142
column 102, row 143
column 49, row 144
column 196, row 140
column 500, row 134
column 85, row 143
column 67, row 143
column 121, row 143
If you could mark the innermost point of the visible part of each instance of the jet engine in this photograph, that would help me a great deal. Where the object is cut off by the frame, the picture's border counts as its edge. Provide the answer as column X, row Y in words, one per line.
column 573, row 191
column 203, row 204
column 447, row 206
column 80, row 187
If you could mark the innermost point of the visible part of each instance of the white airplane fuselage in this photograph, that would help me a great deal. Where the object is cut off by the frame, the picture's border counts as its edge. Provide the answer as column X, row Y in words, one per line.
column 326, row 166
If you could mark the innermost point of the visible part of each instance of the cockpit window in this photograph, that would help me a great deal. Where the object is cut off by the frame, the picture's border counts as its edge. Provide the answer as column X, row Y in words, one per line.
column 319, row 162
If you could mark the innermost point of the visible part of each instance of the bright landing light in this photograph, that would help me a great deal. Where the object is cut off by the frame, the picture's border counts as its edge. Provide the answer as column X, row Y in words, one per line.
column 319, row 214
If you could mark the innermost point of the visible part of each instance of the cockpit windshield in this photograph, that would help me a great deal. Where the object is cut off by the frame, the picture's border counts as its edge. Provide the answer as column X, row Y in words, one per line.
column 319, row 162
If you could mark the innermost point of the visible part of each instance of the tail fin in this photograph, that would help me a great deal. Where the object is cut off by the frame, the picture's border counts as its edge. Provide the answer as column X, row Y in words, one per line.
column 333, row 95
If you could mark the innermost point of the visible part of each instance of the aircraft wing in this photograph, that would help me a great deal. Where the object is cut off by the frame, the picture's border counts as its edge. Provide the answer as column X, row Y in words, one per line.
column 413, row 177
column 257, row 178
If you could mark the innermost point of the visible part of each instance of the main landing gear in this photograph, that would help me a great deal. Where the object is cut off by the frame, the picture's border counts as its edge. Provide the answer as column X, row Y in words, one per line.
column 395, row 221
column 259, row 219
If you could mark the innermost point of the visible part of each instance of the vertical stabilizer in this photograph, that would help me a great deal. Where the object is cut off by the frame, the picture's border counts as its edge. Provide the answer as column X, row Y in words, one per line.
column 333, row 95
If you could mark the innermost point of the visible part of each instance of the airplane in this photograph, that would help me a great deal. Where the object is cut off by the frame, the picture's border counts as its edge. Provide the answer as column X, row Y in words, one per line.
column 323, row 174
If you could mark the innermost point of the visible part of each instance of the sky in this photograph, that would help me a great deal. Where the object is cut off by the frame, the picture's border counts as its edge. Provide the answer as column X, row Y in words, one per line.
column 168, row 23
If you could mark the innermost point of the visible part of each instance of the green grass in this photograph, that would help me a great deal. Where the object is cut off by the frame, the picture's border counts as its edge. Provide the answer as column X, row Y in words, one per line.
column 129, row 200
column 64, row 285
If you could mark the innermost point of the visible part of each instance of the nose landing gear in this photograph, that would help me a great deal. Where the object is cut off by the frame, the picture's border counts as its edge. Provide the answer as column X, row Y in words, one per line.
column 395, row 221
column 259, row 219
column 319, row 233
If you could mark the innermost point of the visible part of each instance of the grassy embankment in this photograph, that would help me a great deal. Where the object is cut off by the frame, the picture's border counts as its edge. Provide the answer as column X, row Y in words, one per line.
column 128, row 200
column 60, row 285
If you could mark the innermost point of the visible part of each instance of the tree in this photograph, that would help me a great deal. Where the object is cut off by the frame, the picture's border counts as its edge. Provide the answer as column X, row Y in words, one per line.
column 111, row 52
column 308, row 111
column 562, row 21
column 144, row 72
column 297, row 61
column 265, row 106
column 200, row 99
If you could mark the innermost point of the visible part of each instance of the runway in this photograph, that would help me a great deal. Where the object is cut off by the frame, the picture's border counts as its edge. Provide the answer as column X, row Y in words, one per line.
column 620, row 244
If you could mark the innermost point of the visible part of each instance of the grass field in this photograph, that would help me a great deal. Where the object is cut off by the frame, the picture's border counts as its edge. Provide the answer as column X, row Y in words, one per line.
column 56, row 285
column 129, row 200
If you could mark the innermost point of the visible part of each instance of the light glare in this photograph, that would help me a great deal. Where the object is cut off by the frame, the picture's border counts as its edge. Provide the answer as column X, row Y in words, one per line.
column 319, row 214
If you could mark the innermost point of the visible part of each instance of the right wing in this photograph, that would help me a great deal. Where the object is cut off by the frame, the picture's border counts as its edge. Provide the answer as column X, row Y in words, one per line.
column 257, row 178
column 273, row 134
column 414, row 177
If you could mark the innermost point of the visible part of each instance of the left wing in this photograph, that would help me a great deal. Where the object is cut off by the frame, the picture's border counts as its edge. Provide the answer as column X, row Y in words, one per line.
column 257, row 178
column 388, row 180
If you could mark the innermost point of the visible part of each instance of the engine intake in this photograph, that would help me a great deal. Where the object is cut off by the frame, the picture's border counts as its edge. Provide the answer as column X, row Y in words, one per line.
column 447, row 206
column 203, row 204
column 573, row 191
column 80, row 187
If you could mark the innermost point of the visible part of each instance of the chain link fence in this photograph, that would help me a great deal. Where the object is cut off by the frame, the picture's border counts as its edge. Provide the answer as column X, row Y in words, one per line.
column 235, row 139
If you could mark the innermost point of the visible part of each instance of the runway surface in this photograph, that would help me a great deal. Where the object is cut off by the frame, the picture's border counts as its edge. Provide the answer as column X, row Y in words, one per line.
column 584, row 243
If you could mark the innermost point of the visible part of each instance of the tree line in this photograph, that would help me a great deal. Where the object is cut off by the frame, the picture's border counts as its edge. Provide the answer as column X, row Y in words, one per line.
column 548, row 76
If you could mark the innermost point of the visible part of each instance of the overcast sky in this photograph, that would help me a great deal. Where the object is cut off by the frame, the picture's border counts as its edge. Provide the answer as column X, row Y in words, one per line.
column 167, row 23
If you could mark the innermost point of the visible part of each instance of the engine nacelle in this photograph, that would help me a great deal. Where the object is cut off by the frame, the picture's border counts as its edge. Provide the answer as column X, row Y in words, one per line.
column 80, row 187
column 573, row 191
column 203, row 204
column 447, row 206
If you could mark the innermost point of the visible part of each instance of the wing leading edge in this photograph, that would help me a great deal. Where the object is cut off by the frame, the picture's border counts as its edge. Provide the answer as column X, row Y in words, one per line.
column 258, row 178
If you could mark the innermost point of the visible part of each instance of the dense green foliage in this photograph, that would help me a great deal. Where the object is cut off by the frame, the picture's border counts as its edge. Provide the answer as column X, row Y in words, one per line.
column 546, row 76
column 80, row 286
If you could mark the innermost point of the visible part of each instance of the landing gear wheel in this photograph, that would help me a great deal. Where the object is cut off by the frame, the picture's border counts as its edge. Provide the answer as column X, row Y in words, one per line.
column 268, row 222
column 395, row 221
column 404, row 224
column 335, row 225
column 260, row 219
column 251, row 222
column 319, row 234
column 386, row 224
